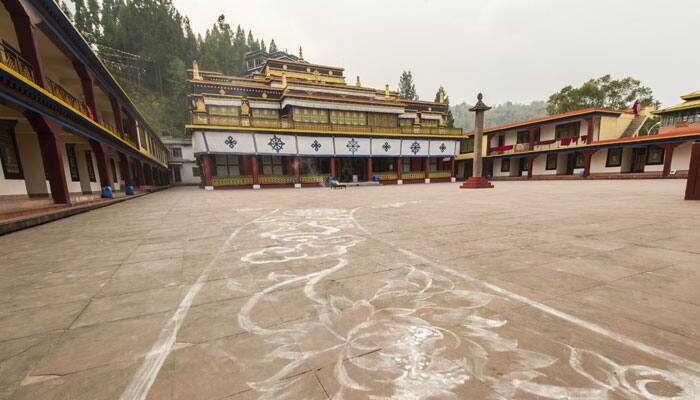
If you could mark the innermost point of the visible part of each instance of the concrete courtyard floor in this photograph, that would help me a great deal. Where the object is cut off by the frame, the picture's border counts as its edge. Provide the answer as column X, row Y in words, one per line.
column 558, row 290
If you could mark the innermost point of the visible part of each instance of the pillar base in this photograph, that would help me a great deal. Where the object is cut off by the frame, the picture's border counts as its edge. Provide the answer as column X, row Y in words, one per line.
column 476, row 183
column 297, row 186
column 399, row 182
column 427, row 180
column 209, row 188
column 256, row 187
column 453, row 179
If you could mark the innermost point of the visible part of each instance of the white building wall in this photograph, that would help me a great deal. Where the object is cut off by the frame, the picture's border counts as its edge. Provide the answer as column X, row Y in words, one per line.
column 598, row 161
column 497, row 168
column 681, row 157
column 547, row 132
column 539, row 166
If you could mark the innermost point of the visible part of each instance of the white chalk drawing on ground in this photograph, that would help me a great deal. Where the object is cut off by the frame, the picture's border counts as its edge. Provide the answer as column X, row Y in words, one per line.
column 414, row 333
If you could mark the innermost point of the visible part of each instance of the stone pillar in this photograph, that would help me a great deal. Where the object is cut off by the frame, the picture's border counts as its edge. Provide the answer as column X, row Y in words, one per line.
column 206, row 172
column 530, row 161
column 453, row 178
column 587, row 154
column 297, row 178
column 397, row 162
column 254, row 171
column 427, row 169
column 101, row 160
column 369, row 169
column 692, row 188
column 48, row 133
column 333, row 167
column 477, row 180
column 668, row 157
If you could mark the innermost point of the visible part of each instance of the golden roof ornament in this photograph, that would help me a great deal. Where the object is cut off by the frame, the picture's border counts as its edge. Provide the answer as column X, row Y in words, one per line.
column 267, row 71
column 195, row 70
column 301, row 54
column 357, row 83
column 386, row 90
column 441, row 95
column 284, row 79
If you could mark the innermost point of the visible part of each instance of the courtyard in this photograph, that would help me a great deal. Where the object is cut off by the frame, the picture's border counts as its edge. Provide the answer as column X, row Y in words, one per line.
column 542, row 289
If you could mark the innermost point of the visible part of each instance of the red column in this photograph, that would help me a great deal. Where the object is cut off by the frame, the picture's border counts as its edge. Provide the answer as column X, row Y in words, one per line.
column 427, row 167
column 333, row 167
column 452, row 167
column 288, row 165
column 668, row 156
column 117, row 111
column 692, row 188
column 125, row 169
column 25, row 37
column 587, row 154
column 589, row 132
column 532, row 138
column 530, row 161
column 142, row 176
column 369, row 168
column 398, row 168
column 48, row 134
column 101, row 159
column 87, row 83
column 206, row 170
column 297, row 180
column 254, row 170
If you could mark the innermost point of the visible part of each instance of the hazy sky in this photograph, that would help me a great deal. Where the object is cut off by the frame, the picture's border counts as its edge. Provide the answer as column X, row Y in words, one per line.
column 518, row 50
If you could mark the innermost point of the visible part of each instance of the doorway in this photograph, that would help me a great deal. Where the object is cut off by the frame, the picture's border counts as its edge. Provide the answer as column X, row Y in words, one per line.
column 178, row 174
column 639, row 157
column 349, row 166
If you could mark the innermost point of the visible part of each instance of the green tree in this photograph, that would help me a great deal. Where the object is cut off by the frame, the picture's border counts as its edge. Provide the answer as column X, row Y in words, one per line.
column 407, row 89
column 66, row 10
column 603, row 92
column 273, row 46
column 449, row 119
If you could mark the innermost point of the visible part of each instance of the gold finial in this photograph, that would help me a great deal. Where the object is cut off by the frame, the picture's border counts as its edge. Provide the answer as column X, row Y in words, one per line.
column 386, row 90
column 284, row 79
column 195, row 70
column 442, row 95
column 301, row 54
column 357, row 83
column 267, row 71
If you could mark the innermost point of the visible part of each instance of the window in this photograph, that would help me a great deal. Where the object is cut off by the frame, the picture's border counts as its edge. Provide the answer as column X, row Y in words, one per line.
column 90, row 166
column 177, row 173
column 505, row 164
column 177, row 152
column 580, row 161
column 567, row 130
column 614, row 158
column 523, row 137
column 114, row 169
column 405, row 122
column 310, row 115
column 9, row 155
column 348, row 118
column 224, row 110
column 383, row 120
column 72, row 162
column 271, row 165
column 433, row 164
column 551, row 162
column 227, row 165
column 655, row 156
column 429, row 123
column 405, row 164
column 501, row 140
column 195, row 171
column 467, row 146
column 265, row 113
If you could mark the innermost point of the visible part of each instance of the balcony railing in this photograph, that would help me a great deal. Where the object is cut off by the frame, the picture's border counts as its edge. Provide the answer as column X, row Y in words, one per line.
column 11, row 58
column 58, row 91
column 199, row 118
column 538, row 146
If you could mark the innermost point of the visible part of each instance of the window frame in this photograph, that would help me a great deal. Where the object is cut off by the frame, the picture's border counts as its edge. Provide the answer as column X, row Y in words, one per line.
column 90, row 166
column 176, row 150
column 549, row 167
column 72, row 158
column 559, row 135
column 608, row 162
column 9, row 126
column 578, row 156
column 522, row 134
column 654, row 149
column 505, row 164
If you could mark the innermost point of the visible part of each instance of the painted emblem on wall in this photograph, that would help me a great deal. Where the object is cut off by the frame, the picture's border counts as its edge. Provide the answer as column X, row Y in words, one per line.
column 231, row 142
column 276, row 143
column 352, row 145
column 415, row 147
column 315, row 145
column 386, row 146
column 442, row 147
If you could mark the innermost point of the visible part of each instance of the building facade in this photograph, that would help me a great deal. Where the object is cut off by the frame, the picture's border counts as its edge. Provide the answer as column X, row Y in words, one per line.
column 66, row 126
column 289, row 122
column 182, row 163
column 595, row 143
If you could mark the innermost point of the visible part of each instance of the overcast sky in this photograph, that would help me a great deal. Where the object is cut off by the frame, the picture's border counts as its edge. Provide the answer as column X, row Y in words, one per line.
column 517, row 50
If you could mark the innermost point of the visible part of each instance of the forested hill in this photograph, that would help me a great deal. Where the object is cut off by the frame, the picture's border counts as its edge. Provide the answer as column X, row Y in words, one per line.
column 148, row 45
column 500, row 114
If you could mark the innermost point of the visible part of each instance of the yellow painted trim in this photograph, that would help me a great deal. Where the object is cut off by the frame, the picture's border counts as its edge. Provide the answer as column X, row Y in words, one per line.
column 330, row 133
column 68, row 106
column 598, row 144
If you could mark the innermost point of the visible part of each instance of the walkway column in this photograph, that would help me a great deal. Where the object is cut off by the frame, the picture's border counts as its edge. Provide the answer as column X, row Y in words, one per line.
column 399, row 180
column 102, row 168
column 453, row 178
column 333, row 167
column 297, row 179
column 692, row 189
column 48, row 134
column 427, row 169
column 125, row 169
column 530, row 161
column 587, row 154
column 369, row 169
column 142, row 175
column 477, row 180
column 254, row 168
column 206, row 172
column 668, row 157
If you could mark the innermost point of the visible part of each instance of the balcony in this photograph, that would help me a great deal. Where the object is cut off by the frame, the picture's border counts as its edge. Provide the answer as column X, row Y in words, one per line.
column 200, row 118
column 58, row 91
column 11, row 58
column 539, row 146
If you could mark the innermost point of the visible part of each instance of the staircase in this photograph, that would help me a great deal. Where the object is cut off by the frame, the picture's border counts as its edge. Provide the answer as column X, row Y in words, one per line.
column 633, row 127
